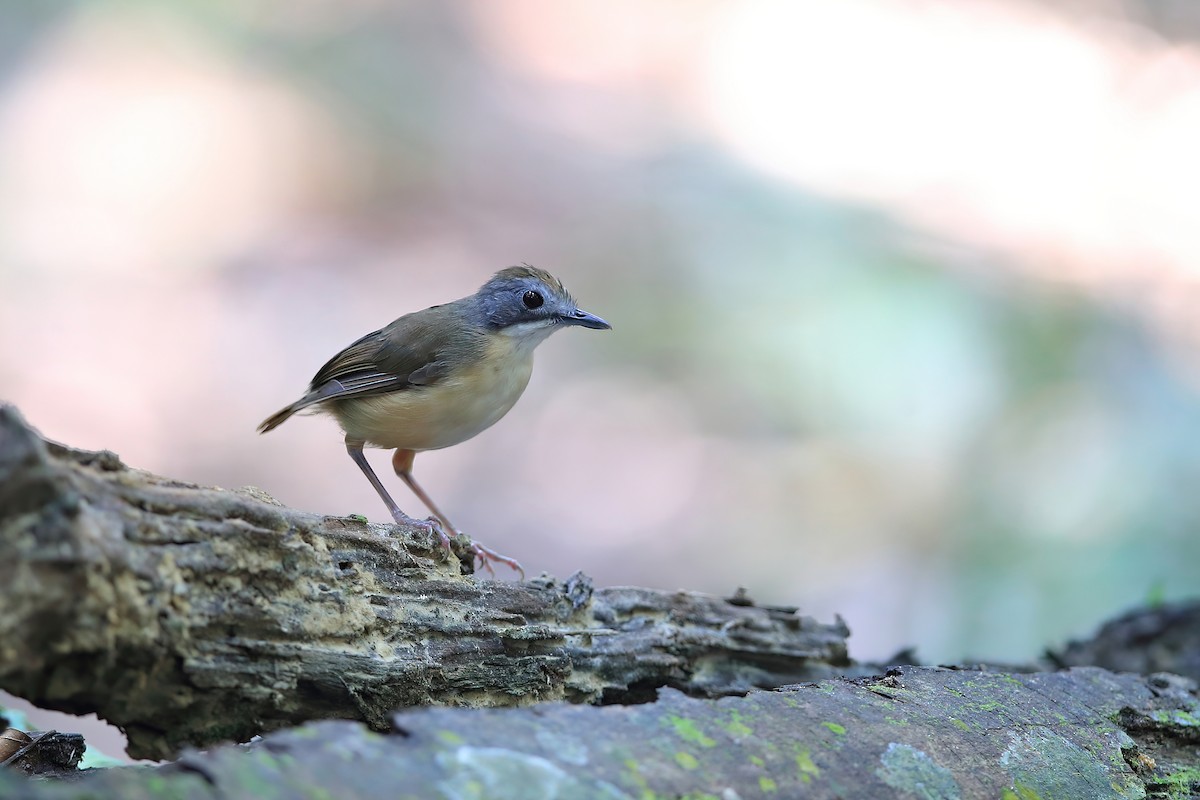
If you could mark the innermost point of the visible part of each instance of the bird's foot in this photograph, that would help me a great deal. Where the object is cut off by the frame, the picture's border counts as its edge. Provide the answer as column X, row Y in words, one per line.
column 430, row 524
column 437, row 529
column 485, row 555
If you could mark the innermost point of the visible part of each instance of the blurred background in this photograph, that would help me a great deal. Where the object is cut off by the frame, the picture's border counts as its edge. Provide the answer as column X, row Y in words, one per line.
column 905, row 293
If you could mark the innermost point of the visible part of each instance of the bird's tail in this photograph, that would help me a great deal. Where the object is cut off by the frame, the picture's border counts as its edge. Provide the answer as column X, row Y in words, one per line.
column 278, row 418
column 326, row 391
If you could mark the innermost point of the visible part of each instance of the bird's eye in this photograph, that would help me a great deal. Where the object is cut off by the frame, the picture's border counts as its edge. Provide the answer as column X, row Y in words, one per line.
column 532, row 299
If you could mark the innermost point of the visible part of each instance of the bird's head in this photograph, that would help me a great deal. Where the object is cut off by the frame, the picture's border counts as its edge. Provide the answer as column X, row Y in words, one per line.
column 530, row 304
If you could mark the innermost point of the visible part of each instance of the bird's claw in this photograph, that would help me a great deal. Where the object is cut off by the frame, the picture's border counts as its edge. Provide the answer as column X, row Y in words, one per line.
column 430, row 524
column 485, row 555
column 435, row 527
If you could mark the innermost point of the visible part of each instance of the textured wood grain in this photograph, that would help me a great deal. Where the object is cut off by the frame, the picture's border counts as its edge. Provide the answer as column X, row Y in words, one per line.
column 192, row 615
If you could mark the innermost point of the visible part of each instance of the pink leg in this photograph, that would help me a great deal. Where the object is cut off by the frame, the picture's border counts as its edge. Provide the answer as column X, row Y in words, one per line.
column 402, row 462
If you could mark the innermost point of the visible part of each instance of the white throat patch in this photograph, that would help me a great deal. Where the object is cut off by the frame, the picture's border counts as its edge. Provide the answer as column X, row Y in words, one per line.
column 529, row 335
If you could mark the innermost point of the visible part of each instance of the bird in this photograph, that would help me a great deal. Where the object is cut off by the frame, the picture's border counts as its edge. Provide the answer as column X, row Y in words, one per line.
column 436, row 378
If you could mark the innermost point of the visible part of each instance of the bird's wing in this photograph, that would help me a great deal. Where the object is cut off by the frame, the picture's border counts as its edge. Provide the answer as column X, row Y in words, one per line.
column 410, row 352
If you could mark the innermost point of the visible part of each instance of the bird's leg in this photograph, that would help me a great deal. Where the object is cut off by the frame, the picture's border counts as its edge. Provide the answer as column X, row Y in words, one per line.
column 402, row 462
column 355, row 449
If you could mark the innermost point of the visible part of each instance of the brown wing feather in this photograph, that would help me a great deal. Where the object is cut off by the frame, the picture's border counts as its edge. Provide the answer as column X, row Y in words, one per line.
column 415, row 350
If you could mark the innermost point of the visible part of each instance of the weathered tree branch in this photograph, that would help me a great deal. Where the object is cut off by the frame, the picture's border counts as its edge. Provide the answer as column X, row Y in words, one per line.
column 190, row 615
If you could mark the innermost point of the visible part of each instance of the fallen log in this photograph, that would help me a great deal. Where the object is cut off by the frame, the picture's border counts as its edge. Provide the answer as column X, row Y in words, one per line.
column 192, row 615
column 189, row 615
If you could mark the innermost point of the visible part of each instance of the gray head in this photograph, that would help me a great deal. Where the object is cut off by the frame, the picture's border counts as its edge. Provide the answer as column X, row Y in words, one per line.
column 530, row 303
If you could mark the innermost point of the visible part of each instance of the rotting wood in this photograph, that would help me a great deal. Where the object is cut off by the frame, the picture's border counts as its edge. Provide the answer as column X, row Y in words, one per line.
column 191, row 615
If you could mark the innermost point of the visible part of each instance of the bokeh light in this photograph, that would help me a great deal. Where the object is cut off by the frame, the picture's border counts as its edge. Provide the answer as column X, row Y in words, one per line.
column 904, row 292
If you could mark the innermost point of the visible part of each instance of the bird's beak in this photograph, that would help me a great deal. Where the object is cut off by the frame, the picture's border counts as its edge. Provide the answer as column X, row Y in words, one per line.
column 585, row 320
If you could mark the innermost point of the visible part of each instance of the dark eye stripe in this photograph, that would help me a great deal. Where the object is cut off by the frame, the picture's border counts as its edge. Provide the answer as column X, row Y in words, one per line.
column 532, row 299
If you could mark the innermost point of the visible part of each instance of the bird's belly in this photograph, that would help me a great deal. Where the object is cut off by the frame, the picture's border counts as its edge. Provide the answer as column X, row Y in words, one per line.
column 431, row 417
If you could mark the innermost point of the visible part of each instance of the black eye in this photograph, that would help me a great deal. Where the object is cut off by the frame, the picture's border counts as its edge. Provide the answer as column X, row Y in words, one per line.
column 532, row 299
